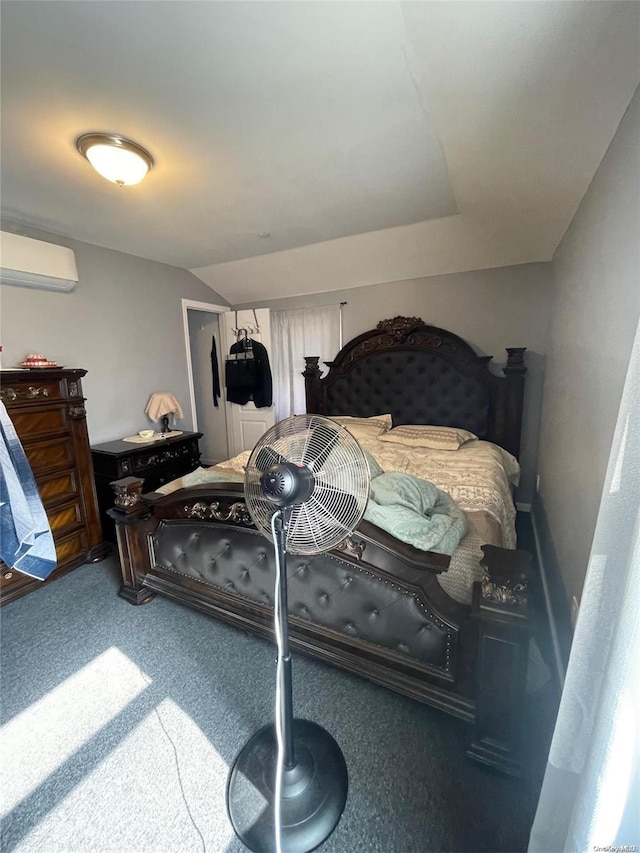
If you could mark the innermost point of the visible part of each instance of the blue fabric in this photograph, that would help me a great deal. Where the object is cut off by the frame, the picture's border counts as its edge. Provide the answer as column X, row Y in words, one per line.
column 416, row 512
column 26, row 543
column 374, row 469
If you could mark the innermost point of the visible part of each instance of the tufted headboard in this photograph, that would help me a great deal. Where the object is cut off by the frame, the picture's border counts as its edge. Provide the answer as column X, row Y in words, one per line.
column 421, row 375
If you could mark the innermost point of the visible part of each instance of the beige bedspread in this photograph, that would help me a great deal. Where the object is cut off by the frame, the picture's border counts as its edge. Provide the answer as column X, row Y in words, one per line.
column 478, row 476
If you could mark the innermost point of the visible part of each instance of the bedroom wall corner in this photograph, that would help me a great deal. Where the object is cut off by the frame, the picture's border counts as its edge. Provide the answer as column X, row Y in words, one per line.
column 594, row 315
column 556, row 601
column 123, row 323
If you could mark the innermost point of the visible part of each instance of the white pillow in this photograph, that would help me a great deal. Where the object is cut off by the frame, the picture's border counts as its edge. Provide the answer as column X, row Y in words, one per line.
column 433, row 437
column 364, row 428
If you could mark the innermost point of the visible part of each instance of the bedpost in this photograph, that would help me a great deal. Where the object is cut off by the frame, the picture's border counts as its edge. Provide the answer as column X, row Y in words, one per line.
column 129, row 514
column 515, row 371
column 500, row 608
column 313, row 394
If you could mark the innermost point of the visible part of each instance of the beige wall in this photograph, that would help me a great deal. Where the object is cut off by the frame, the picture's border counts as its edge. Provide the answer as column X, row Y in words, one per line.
column 123, row 323
column 492, row 309
column 594, row 314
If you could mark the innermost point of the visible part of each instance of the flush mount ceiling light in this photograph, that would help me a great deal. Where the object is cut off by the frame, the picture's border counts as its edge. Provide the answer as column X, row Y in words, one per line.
column 115, row 158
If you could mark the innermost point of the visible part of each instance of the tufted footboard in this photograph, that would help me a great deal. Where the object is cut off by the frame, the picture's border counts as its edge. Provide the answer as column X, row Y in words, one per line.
column 327, row 591
column 372, row 607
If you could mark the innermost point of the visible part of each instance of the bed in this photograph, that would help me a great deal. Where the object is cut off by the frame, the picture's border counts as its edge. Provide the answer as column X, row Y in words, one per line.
column 450, row 631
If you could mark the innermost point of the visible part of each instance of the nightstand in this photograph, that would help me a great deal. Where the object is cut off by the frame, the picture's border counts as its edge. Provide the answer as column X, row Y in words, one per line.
column 157, row 462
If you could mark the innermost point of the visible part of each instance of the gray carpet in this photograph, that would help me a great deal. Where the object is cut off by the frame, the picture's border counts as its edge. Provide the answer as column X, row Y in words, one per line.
column 119, row 724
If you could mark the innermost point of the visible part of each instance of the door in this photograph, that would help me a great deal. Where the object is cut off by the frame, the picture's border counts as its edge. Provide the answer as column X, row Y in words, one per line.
column 197, row 341
column 204, row 327
column 246, row 424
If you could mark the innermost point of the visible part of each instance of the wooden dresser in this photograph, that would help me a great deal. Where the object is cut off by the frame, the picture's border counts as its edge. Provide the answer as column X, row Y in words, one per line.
column 156, row 462
column 47, row 410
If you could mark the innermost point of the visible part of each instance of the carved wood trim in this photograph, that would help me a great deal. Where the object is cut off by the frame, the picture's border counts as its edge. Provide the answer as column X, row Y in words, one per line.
column 399, row 327
column 235, row 512
column 128, row 492
column 351, row 548
column 32, row 392
column 505, row 578
column 511, row 593
column 77, row 411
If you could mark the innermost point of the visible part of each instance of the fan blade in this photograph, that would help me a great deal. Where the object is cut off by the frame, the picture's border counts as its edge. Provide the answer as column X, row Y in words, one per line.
column 322, row 521
column 336, row 504
column 267, row 458
column 315, row 456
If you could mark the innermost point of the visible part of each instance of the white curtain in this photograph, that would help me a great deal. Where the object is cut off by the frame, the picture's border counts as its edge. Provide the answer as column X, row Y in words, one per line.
column 590, row 798
column 295, row 334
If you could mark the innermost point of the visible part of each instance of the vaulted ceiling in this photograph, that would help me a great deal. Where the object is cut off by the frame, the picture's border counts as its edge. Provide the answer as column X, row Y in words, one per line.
column 465, row 133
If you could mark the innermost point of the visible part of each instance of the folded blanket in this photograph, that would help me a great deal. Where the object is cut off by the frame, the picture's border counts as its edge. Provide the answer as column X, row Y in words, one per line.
column 416, row 512
column 26, row 542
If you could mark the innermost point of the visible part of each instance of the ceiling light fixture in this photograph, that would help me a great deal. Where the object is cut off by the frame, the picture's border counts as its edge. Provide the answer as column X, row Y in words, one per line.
column 115, row 158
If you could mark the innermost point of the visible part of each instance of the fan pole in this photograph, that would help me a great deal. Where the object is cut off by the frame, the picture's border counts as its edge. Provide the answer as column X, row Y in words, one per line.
column 285, row 668
column 288, row 786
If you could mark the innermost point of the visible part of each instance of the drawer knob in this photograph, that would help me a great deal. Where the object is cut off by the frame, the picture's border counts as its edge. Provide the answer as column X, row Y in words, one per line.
column 8, row 575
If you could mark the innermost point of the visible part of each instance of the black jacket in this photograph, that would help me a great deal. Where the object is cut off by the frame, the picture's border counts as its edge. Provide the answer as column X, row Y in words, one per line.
column 261, row 389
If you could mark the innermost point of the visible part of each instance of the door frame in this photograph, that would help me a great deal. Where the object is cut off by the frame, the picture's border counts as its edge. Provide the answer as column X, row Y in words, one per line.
column 209, row 308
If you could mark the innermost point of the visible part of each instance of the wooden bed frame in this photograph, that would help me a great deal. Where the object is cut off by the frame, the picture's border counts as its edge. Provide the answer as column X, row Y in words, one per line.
column 373, row 606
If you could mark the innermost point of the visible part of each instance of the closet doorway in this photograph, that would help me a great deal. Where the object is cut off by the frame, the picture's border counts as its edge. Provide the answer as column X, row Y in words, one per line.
column 202, row 325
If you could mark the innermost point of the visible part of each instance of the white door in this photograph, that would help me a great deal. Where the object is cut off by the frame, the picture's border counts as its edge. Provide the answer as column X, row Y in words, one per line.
column 246, row 424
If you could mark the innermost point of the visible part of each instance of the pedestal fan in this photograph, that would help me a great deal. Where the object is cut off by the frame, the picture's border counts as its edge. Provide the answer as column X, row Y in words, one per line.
column 306, row 487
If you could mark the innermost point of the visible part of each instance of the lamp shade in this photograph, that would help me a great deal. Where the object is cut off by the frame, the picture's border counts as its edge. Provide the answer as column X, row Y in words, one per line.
column 115, row 158
column 163, row 403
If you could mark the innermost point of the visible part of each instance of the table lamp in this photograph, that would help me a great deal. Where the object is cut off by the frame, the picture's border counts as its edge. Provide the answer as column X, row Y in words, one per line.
column 161, row 405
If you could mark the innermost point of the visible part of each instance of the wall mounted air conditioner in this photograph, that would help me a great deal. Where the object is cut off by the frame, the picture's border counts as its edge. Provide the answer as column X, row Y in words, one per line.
column 32, row 263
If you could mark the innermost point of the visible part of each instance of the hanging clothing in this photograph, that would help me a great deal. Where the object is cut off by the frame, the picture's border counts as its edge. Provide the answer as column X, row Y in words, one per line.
column 249, row 378
column 214, row 372
column 26, row 543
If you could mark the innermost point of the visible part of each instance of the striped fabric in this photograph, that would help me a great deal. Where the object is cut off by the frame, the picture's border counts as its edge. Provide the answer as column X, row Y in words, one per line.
column 435, row 437
column 26, row 543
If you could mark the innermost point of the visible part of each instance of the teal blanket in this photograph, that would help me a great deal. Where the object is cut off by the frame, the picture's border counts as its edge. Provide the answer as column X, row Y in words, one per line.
column 416, row 512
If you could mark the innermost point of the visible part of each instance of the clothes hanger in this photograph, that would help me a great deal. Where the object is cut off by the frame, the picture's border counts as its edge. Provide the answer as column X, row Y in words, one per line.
column 251, row 329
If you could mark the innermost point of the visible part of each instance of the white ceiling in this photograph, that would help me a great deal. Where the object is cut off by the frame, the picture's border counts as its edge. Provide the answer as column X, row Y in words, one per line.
column 463, row 134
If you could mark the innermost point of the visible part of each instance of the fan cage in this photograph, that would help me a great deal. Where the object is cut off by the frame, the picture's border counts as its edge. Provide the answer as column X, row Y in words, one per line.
column 341, row 490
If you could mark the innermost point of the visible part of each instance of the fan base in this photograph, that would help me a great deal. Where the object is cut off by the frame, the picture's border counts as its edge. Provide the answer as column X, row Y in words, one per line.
column 314, row 792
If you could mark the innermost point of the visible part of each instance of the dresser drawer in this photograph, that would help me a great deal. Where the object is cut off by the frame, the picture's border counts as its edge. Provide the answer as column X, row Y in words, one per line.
column 56, row 453
column 69, row 540
column 64, row 519
column 171, row 455
column 12, row 580
column 71, row 551
column 33, row 423
column 58, row 488
column 71, row 547
column 40, row 388
column 146, row 461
